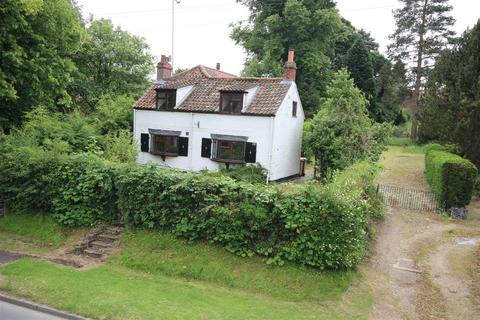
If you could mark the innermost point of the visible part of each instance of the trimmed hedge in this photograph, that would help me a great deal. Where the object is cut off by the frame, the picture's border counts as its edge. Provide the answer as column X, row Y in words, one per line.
column 451, row 177
column 319, row 226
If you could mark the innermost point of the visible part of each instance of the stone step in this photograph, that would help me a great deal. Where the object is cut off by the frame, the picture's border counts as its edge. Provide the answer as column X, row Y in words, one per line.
column 115, row 230
column 100, row 245
column 94, row 253
column 108, row 237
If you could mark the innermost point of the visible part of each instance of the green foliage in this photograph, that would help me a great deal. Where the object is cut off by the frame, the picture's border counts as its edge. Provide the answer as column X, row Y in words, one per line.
column 450, row 112
column 245, row 173
column 113, row 114
column 451, row 177
column 423, row 29
column 120, row 147
column 38, row 229
column 319, row 226
column 37, row 41
column 82, row 191
column 341, row 132
column 312, row 28
column 161, row 253
column 110, row 62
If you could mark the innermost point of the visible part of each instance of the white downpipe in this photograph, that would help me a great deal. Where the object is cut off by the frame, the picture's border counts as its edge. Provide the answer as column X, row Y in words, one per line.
column 270, row 156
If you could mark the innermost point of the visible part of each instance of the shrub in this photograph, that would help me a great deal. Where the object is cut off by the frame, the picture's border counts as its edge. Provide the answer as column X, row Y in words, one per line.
column 450, row 176
column 319, row 226
column 246, row 173
column 323, row 226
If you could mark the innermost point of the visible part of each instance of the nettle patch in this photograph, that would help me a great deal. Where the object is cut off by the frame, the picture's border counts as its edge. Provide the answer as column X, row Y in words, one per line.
column 323, row 226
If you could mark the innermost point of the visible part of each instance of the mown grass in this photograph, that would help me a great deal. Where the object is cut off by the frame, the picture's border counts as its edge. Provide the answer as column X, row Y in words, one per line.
column 112, row 292
column 37, row 233
column 162, row 253
column 156, row 276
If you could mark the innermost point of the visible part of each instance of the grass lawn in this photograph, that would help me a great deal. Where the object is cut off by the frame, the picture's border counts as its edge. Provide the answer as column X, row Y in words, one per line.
column 156, row 276
column 30, row 233
column 161, row 253
column 404, row 166
column 110, row 292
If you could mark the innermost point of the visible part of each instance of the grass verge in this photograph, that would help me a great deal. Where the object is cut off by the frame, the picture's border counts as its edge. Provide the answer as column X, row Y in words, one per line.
column 31, row 233
column 110, row 292
column 162, row 253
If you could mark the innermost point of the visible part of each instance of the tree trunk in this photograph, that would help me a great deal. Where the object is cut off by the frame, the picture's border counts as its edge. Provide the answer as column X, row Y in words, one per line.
column 418, row 79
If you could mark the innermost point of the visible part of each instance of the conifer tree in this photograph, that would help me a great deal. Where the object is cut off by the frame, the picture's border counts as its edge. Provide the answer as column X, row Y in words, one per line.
column 423, row 29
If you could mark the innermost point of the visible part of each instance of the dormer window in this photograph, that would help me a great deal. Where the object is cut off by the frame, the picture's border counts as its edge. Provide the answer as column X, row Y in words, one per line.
column 231, row 102
column 166, row 99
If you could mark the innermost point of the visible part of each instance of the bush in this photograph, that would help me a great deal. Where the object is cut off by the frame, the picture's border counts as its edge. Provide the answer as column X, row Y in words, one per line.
column 245, row 173
column 319, row 226
column 451, row 177
column 323, row 226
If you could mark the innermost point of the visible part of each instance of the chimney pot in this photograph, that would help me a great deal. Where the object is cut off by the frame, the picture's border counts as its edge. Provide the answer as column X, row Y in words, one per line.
column 218, row 66
column 290, row 70
column 164, row 68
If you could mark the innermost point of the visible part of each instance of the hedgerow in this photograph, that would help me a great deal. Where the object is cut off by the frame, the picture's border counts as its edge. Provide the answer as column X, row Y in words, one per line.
column 451, row 177
column 323, row 226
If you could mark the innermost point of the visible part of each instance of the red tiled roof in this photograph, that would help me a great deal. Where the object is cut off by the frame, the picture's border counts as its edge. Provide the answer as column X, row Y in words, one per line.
column 207, row 84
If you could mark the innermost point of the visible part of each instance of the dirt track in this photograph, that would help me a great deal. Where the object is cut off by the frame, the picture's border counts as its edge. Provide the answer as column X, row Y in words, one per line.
column 423, row 266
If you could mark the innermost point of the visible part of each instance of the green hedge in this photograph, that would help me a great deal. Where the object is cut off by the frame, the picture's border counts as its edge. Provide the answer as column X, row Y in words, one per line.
column 451, row 177
column 319, row 226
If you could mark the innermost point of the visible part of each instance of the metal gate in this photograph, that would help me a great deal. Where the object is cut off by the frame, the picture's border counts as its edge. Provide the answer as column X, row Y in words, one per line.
column 411, row 199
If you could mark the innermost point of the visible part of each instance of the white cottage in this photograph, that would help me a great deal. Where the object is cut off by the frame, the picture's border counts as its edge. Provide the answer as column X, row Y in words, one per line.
column 205, row 118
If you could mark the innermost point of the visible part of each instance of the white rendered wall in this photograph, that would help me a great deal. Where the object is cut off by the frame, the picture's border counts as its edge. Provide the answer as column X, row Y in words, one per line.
column 287, row 137
column 198, row 126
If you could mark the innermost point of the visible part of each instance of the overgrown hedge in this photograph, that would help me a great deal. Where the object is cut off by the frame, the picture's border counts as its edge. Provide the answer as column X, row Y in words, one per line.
column 451, row 177
column 319, row 226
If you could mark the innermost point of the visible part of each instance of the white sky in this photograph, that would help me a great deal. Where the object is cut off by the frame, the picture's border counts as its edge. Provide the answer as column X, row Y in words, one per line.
column 202, row 26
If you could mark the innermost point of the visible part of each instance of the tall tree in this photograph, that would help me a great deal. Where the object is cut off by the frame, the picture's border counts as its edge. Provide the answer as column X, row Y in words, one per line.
column 37, row 41
column 311, row 27
column 110, row 62
column 372, row 73
column 342, row 132
column 423, row 29
column 451, row 109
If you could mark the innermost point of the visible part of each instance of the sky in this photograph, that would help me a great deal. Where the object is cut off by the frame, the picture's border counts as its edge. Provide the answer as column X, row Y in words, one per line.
column 202, row 26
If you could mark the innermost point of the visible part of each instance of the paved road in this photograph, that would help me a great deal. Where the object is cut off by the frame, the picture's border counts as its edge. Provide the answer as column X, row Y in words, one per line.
column 13, row 312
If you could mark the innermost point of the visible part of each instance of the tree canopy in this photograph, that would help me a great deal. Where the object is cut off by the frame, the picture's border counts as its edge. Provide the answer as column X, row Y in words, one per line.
column 37, row 40
column 342, row 132
column 110, row 62
column 450, row 112
column 312, row 28
column 48, row 57
column 423, row 29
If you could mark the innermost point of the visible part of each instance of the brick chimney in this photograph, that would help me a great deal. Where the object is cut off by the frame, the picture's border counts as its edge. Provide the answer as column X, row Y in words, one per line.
column 218, row 66
column 164, row 68
column 290, row 72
